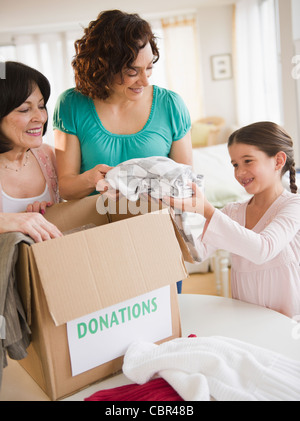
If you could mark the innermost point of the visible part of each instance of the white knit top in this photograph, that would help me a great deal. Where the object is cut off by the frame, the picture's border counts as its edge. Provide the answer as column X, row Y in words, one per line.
column 222, row 368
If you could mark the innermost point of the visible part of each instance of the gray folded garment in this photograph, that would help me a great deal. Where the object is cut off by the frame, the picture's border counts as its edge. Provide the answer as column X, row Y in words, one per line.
column 159, row 176
column 15, row 333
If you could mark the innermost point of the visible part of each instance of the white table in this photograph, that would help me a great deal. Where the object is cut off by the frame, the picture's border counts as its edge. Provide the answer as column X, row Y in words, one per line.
column 202, row 315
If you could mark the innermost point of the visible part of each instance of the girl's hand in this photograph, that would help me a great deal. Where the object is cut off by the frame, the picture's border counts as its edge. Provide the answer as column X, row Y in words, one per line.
column 197, row 203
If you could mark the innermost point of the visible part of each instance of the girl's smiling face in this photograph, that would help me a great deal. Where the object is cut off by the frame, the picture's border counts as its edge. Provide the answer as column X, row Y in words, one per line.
column 254, row 169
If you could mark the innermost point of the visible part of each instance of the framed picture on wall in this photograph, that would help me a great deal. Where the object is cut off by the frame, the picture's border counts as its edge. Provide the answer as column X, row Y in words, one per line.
column 221, row 67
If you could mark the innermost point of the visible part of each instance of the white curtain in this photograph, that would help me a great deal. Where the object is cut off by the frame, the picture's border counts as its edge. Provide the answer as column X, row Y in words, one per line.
column 182, row 61
column 256, row 62
column 51, row 54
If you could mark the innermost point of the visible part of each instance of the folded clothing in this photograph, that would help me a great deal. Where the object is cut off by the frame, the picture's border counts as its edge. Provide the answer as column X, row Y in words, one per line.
column 15, row 335
column 215, row 367
column 157, row 176
column 154, row 390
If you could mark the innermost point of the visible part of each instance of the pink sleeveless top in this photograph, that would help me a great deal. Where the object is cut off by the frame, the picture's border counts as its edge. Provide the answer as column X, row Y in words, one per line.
column 46, row 159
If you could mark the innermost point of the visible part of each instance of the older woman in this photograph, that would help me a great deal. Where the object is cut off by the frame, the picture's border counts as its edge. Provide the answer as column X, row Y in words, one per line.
column 28, row 180
column 114, row 114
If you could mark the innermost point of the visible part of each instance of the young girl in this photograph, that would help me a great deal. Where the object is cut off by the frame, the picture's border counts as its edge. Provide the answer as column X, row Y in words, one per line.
column 262, row 234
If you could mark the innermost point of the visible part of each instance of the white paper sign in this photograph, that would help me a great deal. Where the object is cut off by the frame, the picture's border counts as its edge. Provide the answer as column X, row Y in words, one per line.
column 106, row 334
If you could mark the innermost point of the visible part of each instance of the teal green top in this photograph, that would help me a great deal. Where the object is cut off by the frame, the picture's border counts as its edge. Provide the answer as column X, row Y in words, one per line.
column 169, row 120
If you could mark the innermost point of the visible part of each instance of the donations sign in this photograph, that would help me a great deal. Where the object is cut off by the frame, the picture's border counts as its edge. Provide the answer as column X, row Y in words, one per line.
column 106, row 334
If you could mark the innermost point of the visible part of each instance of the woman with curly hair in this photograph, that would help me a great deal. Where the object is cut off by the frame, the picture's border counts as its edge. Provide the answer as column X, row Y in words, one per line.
column 114, row 114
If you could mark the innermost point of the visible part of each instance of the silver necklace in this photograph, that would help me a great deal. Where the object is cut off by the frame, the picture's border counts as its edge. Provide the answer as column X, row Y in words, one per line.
column 7, row 167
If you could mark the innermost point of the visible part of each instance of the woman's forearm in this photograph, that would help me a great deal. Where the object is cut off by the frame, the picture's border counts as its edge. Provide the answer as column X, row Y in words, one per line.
column 72, row 187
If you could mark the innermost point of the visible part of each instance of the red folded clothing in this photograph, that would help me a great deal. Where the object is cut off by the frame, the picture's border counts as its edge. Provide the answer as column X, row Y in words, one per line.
column 154, row 390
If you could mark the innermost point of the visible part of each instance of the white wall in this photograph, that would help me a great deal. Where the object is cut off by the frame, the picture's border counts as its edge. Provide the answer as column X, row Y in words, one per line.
column 215, row 37
column 296, row 18
column 290, row 100
column 20, row 15
column 296, row 36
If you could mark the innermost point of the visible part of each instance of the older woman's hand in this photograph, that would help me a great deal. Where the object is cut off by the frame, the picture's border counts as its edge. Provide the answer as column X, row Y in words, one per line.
column 31, row 223
column 39, row 207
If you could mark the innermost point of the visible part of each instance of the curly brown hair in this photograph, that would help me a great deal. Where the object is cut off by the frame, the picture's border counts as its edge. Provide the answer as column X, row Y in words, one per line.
column 270, row 138
column 109, row 44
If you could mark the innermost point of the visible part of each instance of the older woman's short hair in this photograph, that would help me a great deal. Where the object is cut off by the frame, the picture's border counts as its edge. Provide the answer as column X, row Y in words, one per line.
column 19, row 82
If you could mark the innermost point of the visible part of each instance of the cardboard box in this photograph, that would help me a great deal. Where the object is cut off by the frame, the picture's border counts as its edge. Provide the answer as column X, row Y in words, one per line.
column 123, row 257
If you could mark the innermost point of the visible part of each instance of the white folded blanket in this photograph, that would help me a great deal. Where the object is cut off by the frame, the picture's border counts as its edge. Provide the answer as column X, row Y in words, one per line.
column 215, row 367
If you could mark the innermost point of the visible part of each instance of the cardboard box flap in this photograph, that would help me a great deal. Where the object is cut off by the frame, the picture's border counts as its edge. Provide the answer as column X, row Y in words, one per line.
column 184, row 248
column 88, row 276
column 23, row 279
column 124, row 208
column 76, row 213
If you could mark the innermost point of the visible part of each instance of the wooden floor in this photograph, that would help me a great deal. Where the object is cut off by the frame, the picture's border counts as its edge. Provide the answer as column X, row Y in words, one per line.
column 201, row 283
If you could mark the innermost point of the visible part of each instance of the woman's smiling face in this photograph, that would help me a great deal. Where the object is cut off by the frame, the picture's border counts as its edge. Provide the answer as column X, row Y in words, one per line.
column 135, row 79
column 24, row 125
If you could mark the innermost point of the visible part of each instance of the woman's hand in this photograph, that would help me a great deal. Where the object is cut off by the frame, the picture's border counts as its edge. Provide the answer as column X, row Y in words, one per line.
column 197, row 203
column 30, row 223
column 103, row 186
column 39, row 207
column 98, row 173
